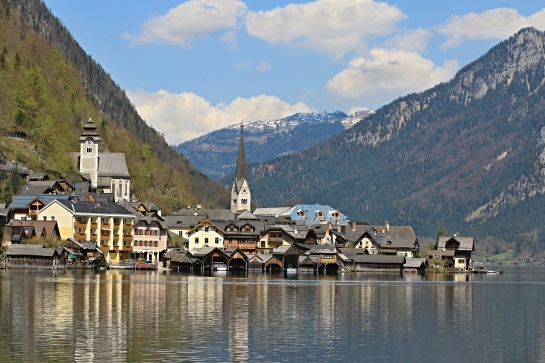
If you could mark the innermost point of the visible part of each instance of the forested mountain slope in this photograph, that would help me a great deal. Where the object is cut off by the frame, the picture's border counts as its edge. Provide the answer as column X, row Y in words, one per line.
column 468, row 153
column 49, row 86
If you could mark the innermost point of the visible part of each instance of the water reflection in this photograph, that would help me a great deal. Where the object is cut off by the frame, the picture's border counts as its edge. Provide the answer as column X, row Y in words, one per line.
column 168, row 316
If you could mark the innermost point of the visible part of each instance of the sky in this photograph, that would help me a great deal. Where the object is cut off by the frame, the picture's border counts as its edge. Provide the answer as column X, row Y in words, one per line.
column 191, row 67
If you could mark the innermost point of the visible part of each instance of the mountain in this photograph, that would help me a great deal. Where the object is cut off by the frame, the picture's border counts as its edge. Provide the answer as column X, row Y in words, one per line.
column 468, row 153
column 215, row 154
column 49, row 87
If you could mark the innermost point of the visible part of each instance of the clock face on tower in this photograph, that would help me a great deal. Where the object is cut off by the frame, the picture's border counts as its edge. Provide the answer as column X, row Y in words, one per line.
column 89, row 141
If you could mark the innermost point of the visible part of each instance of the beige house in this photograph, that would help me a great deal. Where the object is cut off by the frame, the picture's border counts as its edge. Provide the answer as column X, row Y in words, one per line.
column 109, row 226
column 205, row 234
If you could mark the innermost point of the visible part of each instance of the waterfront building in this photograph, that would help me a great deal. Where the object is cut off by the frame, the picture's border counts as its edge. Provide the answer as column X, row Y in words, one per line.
column 108, row 225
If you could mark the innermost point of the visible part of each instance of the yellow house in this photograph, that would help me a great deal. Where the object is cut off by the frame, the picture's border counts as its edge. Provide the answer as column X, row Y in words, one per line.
column 108, row 225
column 205, row 234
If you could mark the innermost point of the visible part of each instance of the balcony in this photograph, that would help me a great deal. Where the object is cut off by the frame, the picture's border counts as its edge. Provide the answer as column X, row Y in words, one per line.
column 81, row 225
column 275, row 240
column 127, row 238
column 127, row 225
column 105, row 225
column 94, row 225
column 127, row 248
column 80, row 236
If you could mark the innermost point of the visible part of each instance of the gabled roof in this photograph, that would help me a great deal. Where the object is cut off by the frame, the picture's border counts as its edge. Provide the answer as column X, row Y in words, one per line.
column 246, row 215
column 30, row 250
column 207, row 222
column 92, row 208
column 48, row 226
column 392, row 242
column 21, row 201
column 276, row 211
column 415, row 263
column 466, row 243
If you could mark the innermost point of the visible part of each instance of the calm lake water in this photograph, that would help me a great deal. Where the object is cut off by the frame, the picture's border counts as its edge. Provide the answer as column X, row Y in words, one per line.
column 165, row 316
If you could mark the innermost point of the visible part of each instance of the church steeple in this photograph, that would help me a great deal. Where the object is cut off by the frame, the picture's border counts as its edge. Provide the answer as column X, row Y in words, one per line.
column 240, row 194
column 88, row 160
column 241, row 160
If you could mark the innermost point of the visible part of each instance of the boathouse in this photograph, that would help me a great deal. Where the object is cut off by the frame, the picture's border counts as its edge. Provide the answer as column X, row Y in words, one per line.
column 35, row 256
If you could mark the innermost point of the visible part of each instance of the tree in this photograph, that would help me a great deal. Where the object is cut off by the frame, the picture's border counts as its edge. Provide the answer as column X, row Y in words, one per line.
column 440, row 233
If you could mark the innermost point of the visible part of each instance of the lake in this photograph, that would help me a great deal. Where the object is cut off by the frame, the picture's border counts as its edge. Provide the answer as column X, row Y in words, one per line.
column 165, row 316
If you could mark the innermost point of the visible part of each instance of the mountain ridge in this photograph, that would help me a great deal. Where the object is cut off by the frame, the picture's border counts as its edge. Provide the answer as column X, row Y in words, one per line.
column 450, row 154
column 215, row 153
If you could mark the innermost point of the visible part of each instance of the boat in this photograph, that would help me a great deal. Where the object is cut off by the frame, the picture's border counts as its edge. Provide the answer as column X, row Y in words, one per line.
column 123, row 265
column 220, row 266
column 291, row 270
column 144, row 265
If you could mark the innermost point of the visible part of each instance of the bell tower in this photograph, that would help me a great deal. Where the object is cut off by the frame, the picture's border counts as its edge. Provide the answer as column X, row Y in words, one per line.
column 88, row 157
column 241, row 197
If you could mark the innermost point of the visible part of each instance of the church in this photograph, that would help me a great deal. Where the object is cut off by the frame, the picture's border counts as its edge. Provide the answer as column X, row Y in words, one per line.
column 241, row 198
column 106, row 172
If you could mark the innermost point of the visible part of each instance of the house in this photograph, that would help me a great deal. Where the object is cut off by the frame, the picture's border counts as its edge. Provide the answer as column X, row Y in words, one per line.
column 26, row 206
column 408, row 247
column 209, row 255
column 455, row 251
column 382, row 263
column 108, row 225
column 35, row 256
column 150, row 238
column 415, row 265
column 205, row 234
column 278, row 235
column 288, row 256
column 324, row 258
column 242, row 233
column 17, row 231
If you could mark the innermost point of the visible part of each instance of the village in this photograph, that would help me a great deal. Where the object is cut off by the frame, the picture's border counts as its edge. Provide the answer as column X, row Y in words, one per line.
column 98, row 223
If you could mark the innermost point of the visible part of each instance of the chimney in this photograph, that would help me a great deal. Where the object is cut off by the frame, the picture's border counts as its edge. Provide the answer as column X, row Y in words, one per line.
column 353, row 226
column 387, row 225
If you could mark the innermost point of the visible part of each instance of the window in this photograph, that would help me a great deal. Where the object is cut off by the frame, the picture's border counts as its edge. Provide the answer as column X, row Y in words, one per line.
column 244, row 201
column 180, row 233
column 206, row 229
column 217, row 240
column 197, row 240
column 52, row 218
column 45, row 218
column 206, row 241
column 89, row 150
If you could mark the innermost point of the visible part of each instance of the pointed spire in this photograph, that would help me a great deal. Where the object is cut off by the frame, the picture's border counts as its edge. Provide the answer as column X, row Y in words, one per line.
column 241, row 161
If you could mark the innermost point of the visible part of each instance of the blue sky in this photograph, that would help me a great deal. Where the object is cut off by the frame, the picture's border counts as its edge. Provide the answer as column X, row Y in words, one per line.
column 191, row 67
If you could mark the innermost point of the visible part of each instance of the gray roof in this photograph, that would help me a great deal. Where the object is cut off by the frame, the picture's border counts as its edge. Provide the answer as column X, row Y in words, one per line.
column 276, row 211
column 466, row 243
column 95, row 208
column 392, row 242
column 385, row 259
column 415, row 262
column 21, row 201
column 212, row 214
column 30, row 250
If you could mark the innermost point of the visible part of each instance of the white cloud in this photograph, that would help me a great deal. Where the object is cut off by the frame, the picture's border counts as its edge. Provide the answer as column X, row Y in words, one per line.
column 189, row 20
column 329, row 26
column 184, row 116
column 264, row 66
column 492, row 24
column 386, row 75
column 412, row 40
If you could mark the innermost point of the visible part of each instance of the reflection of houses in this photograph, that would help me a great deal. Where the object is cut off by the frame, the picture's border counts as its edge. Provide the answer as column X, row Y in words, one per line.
column 455, row 251
column 35, row 256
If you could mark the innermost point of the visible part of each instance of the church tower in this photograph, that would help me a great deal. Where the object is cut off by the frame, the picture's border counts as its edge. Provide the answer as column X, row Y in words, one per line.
column 88, row 160
column 241, row 197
